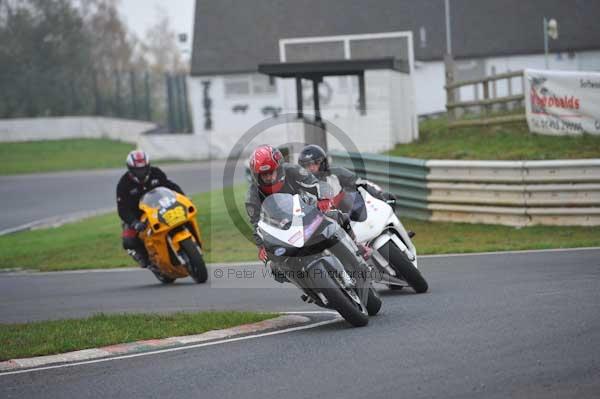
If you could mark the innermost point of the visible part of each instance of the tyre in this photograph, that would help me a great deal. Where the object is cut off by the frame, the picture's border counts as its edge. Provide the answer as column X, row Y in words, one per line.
column 162, row 278
column 197, row 267
column 404, row 267
column 374, row 302
column 340, row 300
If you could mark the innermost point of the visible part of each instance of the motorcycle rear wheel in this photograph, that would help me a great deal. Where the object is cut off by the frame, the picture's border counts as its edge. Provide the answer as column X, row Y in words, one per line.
column 374, row 302
column 162, row 278
column 197, row 267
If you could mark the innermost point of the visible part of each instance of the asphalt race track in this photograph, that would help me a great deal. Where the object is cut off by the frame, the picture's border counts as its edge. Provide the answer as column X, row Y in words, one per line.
column 29, row 198
column 518, row 325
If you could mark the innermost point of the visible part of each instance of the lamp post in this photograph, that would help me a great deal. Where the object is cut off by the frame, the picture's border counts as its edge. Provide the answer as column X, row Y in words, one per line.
column 550, row 31
column 449, row 65
column 448, row 33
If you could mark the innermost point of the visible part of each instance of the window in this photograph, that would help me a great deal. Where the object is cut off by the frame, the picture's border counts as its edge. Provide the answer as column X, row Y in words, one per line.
column 236, row 87
column 243, row 86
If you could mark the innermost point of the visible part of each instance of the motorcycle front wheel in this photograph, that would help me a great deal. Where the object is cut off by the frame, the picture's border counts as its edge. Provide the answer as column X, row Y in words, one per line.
column 197, row 267
column 404, row 267
column 340, row 300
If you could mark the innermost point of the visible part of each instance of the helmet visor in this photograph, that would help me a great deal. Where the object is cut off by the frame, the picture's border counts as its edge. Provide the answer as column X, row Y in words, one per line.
column 268, row 178
column 140, row 173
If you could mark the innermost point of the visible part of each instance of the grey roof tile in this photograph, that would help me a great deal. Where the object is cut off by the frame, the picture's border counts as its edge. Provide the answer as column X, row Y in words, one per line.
column 236, row 35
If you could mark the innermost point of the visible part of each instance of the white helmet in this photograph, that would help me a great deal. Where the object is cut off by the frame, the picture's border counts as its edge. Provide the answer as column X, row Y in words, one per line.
column 138, row 164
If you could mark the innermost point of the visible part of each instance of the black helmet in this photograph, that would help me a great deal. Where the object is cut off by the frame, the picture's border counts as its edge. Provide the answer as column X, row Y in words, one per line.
column 138, row 165
column 312, row 154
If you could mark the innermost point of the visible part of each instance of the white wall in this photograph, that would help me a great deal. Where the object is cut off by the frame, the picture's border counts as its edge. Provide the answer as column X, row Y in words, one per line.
column 30, row 129
column 173, row 146
column 429, row 87
column 390, row 116
column 227, row 126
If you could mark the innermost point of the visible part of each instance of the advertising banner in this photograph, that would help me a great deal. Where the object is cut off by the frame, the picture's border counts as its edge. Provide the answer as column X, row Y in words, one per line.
column 562, row 102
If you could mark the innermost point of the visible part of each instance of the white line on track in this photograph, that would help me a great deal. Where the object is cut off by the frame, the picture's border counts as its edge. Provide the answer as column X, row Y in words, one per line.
column 182, row 348
column 525, row 251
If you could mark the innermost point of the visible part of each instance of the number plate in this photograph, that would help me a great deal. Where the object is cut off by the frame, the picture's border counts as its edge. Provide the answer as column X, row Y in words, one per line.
column 174, row 216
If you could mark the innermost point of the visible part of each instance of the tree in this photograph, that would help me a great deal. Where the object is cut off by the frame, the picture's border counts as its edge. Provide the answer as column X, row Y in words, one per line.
column 161, row 45
column 70, row 57
column 44, row 53
column 112, row 48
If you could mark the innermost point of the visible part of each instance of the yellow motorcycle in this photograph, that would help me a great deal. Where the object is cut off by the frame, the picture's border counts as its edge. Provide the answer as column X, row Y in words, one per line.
column 172, row 236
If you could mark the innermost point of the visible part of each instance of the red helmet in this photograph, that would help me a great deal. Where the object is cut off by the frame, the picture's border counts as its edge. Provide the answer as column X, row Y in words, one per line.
column 266, row 167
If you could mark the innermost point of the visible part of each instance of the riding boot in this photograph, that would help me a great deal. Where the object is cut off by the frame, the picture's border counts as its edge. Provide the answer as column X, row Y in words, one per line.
column 142, row 260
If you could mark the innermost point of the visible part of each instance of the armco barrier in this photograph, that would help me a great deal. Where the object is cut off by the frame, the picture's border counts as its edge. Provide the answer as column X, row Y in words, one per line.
column 406, row 177
column 515, row 193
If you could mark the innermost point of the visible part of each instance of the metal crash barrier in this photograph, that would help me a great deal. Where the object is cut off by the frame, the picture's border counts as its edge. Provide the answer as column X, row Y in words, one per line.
column 513, row 193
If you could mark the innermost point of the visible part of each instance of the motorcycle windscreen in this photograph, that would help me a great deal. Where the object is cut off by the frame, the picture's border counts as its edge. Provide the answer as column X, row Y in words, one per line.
column 160, row 197
column 353, row 204
column 328, row 190
column 278, row 211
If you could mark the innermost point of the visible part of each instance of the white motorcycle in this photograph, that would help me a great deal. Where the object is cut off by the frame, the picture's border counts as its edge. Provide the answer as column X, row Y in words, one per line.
column 376, row 225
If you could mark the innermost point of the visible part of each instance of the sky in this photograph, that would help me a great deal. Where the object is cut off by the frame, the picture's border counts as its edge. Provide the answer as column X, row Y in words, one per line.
column 140, row 15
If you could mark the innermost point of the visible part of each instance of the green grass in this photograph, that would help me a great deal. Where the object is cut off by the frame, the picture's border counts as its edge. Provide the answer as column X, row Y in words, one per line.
column 96, row 243
column 502, row 142
column 60, row 336
column 59, row 155
column 446, row 237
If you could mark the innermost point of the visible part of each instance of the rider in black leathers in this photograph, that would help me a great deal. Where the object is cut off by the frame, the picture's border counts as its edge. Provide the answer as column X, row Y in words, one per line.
column 137, row 181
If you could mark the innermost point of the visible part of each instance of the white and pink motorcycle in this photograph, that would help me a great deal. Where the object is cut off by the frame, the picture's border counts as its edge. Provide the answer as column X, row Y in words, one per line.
column 376, row 226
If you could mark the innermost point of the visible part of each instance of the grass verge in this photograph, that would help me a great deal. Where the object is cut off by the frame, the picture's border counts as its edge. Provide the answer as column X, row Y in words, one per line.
column 60, row 155
column 502, row 142
column 96, row 243
column 60, row 336
column 445, row 238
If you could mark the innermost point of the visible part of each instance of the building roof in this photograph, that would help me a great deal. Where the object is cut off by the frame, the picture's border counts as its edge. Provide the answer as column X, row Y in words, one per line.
column 235, row 36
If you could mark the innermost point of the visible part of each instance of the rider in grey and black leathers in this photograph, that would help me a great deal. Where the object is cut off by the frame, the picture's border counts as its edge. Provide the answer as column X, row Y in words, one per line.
column 314, row 159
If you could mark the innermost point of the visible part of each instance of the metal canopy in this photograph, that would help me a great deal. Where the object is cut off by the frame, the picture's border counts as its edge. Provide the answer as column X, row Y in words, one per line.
column 316, row 69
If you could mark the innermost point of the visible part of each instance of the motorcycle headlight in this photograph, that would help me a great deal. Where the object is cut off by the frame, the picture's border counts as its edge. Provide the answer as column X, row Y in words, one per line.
column 279, row 251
